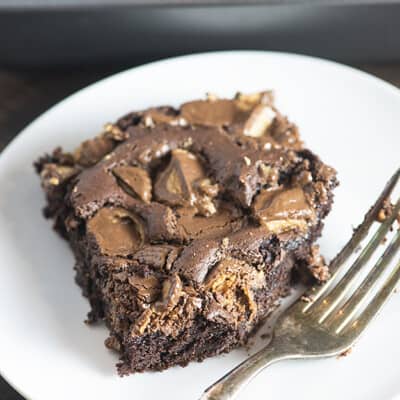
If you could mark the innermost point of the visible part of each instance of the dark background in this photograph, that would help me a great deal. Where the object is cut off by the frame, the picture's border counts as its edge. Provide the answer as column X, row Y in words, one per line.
column 48, row 53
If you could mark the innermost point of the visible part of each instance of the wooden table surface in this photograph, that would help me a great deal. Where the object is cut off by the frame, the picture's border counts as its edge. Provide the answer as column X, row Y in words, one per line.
column 25, row 94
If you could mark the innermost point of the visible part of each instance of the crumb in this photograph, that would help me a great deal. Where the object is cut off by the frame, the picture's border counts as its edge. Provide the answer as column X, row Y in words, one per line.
column 385, row 211
column 345, row 353
column 249, row 344
column 265, row 336
column 317, row 265
column 358, row 248
column 306, row 299
column 225, row 241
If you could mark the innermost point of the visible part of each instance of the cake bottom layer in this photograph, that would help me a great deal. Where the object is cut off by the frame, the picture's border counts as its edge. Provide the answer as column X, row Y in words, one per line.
column 201, row 339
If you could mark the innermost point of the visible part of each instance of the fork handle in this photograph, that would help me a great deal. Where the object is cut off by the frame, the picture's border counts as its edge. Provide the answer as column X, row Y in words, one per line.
column 230, row 384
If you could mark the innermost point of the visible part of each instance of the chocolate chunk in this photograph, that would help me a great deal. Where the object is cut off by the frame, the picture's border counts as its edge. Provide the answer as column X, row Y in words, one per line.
column 174, row 185
column 280, row 204
column 269, row 175
column 114, row 132
column 113, row 343
column 259, row 121
column 116, row 231
column 232, row 283
column 212, row 113
column 135, row 181
column 92, row 151
column 247, row 101
column 160, row 222
column 148, row 288
column 206, row 187
column 183, row 183
column 171, row 292
column 142, row 322
column 196, row 259
column 223, row 112
column 156, row 116
column 303, row 178
column 55, row 175
column 160, row 257
column 205, row 206
column 222, row 277
column 223, row 222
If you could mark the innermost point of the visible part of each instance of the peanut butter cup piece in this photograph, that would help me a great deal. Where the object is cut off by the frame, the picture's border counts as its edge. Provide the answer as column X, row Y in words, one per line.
column 134, row 180
column 281, row 210
column 171, row 292
column 147, row 288
column 211, row 112
column 183, row 183
column 55, row 175
column 175, row 184
column 116, row 231
column 92, row 151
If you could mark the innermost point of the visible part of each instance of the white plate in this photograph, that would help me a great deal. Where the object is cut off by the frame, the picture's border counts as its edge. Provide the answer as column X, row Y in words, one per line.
column 347, row 117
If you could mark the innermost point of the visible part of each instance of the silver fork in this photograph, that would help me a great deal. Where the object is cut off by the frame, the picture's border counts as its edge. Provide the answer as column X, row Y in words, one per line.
column 334, row 318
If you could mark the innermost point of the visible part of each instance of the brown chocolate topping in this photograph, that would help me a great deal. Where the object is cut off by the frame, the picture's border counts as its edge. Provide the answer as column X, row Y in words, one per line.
column 117, row 231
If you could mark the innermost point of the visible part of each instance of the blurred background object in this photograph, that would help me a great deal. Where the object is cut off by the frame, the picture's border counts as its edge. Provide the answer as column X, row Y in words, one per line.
column 54, row 33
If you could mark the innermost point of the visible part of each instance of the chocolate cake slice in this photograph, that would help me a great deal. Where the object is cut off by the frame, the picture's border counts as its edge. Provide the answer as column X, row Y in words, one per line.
column 189, row 224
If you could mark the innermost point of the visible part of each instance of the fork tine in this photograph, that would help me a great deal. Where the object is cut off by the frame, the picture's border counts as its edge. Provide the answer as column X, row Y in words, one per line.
column 354, row 303
column 377, row 302
column 362, row 230
column 359, row 234
column 327, row 304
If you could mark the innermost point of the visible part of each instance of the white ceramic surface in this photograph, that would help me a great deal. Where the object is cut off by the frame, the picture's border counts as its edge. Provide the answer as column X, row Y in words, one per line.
column 46, row 352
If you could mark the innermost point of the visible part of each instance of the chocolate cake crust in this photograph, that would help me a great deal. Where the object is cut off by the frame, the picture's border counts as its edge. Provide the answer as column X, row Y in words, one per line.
column 188, row 224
